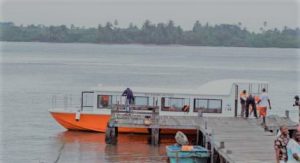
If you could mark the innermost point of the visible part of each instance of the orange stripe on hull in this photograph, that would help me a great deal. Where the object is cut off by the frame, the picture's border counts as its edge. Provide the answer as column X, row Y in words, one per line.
column 89, row 122
column 98, row 122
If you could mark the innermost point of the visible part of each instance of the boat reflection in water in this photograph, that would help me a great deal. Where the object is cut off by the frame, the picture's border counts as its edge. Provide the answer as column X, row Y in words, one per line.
column 91, row 147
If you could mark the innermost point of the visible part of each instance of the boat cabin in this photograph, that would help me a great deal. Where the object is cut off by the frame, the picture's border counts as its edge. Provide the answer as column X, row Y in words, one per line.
column 216, row 98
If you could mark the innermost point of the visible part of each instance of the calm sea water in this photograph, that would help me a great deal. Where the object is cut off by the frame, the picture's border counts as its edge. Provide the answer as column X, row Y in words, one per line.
column 31, row 73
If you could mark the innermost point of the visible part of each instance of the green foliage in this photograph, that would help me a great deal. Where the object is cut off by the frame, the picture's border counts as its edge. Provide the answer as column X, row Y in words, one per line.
column 161, row 33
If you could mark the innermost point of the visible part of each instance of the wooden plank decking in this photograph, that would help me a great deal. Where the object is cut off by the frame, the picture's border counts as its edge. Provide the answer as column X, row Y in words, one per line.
column 244, row 139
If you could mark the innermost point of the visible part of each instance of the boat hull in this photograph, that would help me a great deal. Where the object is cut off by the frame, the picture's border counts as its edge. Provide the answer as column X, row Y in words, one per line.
column 98, row 123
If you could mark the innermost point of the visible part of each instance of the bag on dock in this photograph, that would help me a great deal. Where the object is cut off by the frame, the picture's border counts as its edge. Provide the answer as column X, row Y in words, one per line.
column 181, row 139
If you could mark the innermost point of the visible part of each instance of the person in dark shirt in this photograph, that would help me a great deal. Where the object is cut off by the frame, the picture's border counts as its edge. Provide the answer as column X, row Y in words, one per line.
column 250, row 102
column 297, row 101
column 129, row 98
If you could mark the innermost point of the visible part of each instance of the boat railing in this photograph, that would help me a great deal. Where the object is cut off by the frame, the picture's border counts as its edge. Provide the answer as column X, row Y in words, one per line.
column 147, row 115
column 65, row 102
column 145, row 108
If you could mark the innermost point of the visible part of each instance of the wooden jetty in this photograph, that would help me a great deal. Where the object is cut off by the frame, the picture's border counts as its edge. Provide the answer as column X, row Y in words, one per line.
column 230, row 139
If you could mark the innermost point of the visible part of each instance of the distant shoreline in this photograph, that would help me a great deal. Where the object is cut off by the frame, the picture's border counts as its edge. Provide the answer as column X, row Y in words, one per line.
column 223, row 35
column 158, row 45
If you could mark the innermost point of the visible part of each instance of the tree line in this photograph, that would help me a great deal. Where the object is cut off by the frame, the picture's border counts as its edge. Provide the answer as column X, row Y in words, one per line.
column 160, row 33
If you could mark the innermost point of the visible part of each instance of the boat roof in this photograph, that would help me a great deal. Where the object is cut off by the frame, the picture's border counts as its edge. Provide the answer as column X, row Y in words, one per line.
column 217, row 87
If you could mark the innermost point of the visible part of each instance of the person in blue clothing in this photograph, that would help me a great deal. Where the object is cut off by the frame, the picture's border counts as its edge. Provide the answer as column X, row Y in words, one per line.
column 250, row 102
column 129, row 98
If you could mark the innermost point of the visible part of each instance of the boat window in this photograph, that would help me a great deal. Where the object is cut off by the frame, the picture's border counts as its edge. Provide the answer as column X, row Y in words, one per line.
column 174, row 104
column 208, row 105
column 104, row 101
column 256, row 89
column 115, row 99
column 87, row 99
column 152, row 101
column 141, row 100
column 141, row 103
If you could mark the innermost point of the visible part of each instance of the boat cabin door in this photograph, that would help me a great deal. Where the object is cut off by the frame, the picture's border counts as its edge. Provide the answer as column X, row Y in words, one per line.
column 256, row 89
column 87, row 100
column 252, row 88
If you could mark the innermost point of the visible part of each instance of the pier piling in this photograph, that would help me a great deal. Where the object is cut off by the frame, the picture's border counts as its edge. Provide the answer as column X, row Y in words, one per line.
column 154, row 136
column 287, row 114
column 111, row 134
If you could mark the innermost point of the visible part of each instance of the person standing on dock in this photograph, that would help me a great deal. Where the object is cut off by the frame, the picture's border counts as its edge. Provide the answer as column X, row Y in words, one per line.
column 297, row 103
column 280, row 145
column 293, row 149
column 263, row 103
column 250, row 101
column 129, row 98
column 243, row 98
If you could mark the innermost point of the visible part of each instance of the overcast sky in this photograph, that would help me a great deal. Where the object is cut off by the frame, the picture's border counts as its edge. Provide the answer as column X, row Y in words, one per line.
column 251, row 13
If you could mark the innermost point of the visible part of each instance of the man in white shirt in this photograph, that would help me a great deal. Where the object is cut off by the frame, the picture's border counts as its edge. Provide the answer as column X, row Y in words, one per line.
column 263, row 103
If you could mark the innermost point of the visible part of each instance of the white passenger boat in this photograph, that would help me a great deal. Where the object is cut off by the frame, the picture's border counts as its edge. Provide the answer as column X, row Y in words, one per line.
column 217, row 98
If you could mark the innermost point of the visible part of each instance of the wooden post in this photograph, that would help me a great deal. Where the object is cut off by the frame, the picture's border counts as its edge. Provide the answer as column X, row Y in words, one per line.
column 212, row 146
column 236, row 100
column 81, row 104
column 155, row 136
column 117, row 131
column 212, row 154
column 201, row 138
column 228, row 151
column 200, row 114
column 276, row 130
column 287, row 114
column 205, row 143
column 222, row 144
column 111, row 135
column 197, row 139
column 221, row 160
